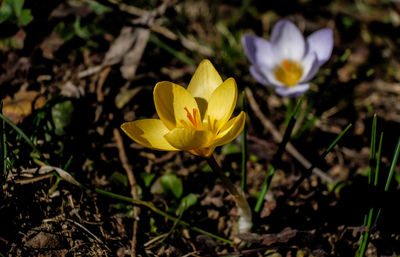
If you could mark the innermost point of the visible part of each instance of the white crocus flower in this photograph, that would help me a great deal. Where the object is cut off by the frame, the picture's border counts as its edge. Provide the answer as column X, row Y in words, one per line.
column 287, row 62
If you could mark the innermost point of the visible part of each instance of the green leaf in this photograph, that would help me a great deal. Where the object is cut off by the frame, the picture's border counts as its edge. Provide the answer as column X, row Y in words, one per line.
column 206, row 168
column 98, row 8
column 25, row 17
column 64, row 31
column 5, row 12
column 186, row 202
column 253, row 158
column 17, row 7
column 230, row 148
column 147, row 178
column 81, row 32
column 170, row 183
column 61, row 114
column 119, row 179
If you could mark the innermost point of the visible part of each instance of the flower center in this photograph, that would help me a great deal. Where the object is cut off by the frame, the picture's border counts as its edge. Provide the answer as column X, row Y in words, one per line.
column 289, row 72
column 194, row 119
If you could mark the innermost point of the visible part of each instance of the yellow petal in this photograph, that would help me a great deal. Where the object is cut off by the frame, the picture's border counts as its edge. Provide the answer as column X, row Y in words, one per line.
column 149, row 133
column 221, row 104
column 171, row 100
column 188, row 139
column 204, row 81
column 231, row 130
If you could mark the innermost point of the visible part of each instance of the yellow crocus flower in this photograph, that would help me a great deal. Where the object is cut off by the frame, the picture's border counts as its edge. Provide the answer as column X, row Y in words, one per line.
column 196, row 119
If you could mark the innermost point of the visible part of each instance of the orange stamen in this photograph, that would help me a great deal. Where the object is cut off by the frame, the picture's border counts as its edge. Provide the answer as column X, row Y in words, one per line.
column 287, row 65
column 289, row 72
column 192, row 117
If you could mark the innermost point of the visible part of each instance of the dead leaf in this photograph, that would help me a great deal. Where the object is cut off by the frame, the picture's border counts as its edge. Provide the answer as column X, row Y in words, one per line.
column 62, row 173
column 50, row 45
column 45, row 240
column 282, row 237
column 120, row 46
column 215, row 197
column 124, row 96
column 21, row 105
column 249, row 238
column 71, row 90
column 132, row 58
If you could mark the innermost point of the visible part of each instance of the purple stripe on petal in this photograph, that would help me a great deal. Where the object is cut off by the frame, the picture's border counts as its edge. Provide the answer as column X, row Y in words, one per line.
column 294, row 91
column 321, row 42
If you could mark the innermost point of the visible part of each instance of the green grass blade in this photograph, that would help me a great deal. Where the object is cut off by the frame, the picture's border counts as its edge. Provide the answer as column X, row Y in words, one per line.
column 365, row 237
column 184, row 58
column 391, row 171
column 264, row 189
column 320, row 158
column 24, row 136
column 372, row 153
column 244, row 146
column 337, row 139
column 378, row 160
column 393, row 165
column 66, row 166
column 374, row 168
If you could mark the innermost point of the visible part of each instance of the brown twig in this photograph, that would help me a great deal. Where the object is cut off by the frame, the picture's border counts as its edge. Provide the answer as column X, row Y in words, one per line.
column 100, row 83
column 132, row 182
column 278, row 137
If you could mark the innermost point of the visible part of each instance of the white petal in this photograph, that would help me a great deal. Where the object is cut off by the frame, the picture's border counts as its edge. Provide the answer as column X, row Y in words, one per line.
column 265, row 75
column 321, row 42
column 292, row 91
column 258, row 50
column 310, row 67
column 288, row 41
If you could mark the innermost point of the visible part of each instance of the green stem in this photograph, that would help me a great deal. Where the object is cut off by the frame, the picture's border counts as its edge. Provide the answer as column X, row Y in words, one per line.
column 244, row 211
column 244, row 146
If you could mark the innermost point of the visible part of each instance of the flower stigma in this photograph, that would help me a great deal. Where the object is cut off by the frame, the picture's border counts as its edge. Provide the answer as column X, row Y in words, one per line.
column 194, row 119
column 289, row 72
